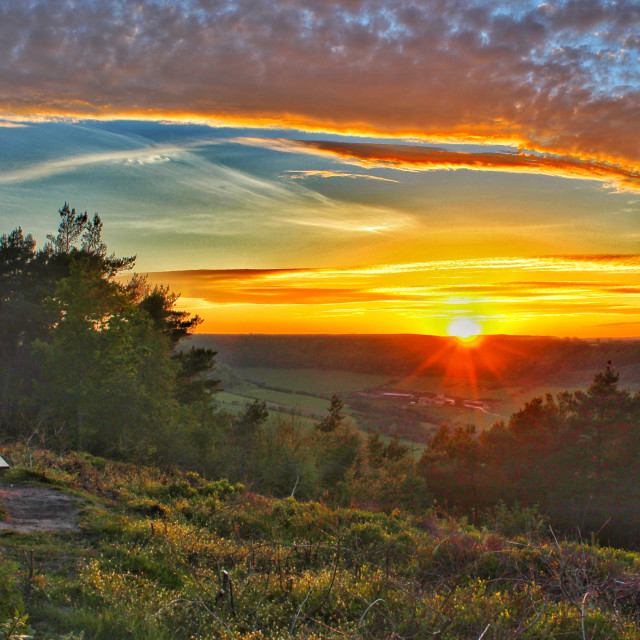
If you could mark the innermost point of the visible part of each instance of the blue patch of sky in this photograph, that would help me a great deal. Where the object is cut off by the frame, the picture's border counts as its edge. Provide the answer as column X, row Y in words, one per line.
column 516, row 10
column 107, row 184
column 45, row 141
column 601, row 68
column 596, row 54
column 307, row 22
column 394, row 29
column 39, row 143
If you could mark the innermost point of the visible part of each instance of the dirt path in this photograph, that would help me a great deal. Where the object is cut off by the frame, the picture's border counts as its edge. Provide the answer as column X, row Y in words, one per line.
column 36, row 508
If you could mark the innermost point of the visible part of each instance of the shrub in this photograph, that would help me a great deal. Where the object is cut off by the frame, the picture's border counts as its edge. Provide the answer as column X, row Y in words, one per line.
column 11, row 604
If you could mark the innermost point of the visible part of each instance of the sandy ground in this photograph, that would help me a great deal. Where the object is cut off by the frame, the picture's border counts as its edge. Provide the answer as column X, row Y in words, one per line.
column 36, row 508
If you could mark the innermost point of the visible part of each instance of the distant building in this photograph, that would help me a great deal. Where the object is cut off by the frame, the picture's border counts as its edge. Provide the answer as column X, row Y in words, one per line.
column 3, row 465
column 395, row 394
column 477, row 404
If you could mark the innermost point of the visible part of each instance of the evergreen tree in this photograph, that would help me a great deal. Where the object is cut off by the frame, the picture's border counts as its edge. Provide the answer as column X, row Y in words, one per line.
column 335, row 417
column 90, row 359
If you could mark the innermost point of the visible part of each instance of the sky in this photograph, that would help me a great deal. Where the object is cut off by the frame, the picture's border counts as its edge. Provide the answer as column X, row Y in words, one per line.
column 362, row 166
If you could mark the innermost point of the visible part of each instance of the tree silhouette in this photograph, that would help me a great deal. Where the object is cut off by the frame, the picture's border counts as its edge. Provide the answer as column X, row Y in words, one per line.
column 335, row 417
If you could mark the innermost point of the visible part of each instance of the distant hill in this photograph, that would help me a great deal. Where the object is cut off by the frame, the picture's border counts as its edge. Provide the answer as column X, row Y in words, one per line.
column 500, row 359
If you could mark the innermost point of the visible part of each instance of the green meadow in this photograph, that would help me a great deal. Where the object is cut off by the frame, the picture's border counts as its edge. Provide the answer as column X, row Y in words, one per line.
column 313, row 381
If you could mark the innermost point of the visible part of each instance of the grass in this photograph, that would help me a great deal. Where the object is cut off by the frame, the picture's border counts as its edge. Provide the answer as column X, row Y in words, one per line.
column 170, row 555
column 232, row 401
column 305, row 391
column 313, row 381
column 291, row 400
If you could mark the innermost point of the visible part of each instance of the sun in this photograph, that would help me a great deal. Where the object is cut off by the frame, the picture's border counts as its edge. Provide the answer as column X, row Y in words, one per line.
column 464, row 329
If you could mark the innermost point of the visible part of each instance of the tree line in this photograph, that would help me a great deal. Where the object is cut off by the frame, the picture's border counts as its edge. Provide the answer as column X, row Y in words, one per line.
column 575, row 455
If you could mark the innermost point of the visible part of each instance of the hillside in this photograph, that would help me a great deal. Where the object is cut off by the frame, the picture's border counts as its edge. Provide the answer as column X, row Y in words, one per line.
column 164, row 555
column 408, row 385
column 497, row 361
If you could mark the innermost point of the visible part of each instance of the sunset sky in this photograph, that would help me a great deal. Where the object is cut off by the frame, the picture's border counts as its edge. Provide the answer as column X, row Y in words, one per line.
column 363, row 166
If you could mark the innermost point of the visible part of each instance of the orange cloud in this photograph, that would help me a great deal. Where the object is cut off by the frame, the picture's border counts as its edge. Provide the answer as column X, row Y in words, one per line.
column 300, row 174
column 545, row 76
column 422, row 158
column 412, row 289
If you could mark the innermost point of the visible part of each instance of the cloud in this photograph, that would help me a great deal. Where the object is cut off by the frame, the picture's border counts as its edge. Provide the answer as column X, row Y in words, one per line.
column 48, row 168
column 423, row 158
column 620, row 264
column 224, row 201
column 386, row 284
column 301, row 174
column 546, row 295
column 633, row 323
column 557, row 77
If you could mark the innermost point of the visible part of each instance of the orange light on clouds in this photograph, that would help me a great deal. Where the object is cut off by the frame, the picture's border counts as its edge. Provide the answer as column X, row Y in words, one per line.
column 585, row 296
column 348, row 67
column 531, row 156
column 399, row 139
column 427, row 158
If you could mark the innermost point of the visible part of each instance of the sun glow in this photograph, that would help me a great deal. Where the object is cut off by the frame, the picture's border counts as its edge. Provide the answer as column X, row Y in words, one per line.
column 464, row 329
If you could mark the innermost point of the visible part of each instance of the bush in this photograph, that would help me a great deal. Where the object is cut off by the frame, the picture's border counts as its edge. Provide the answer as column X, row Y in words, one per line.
column 11, row 604
column 516, row 520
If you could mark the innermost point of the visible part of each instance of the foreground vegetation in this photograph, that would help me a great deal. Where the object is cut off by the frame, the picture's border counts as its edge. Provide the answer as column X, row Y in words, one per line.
column 170, row 555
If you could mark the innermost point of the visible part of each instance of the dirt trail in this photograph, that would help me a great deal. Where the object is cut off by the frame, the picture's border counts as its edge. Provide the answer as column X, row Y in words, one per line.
column 37, row 508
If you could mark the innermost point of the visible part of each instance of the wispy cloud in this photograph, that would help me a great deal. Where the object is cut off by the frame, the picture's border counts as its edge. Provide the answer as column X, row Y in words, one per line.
column 232, row 202
column 423, row 158
column 561, row 264
column 300, row 174
column 387, row 283
column 565, row 292
column 49, row 168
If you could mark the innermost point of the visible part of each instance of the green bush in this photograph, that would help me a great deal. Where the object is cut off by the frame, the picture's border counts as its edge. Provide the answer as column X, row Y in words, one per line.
column 516, row 520
column 113, row 624
column 11, row 603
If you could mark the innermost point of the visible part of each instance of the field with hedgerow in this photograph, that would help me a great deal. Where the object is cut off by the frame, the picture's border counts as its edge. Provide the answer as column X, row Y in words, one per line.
column 170, row 555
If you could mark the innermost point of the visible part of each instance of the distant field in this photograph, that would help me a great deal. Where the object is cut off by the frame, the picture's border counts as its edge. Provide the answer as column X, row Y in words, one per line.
column 296, row 389
column 463, row 388
column 306, row 392
column 433, row 384
column 236, row 403
column 293, row 400
column 461, row 416
column 313, row 381
column 231, row 401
